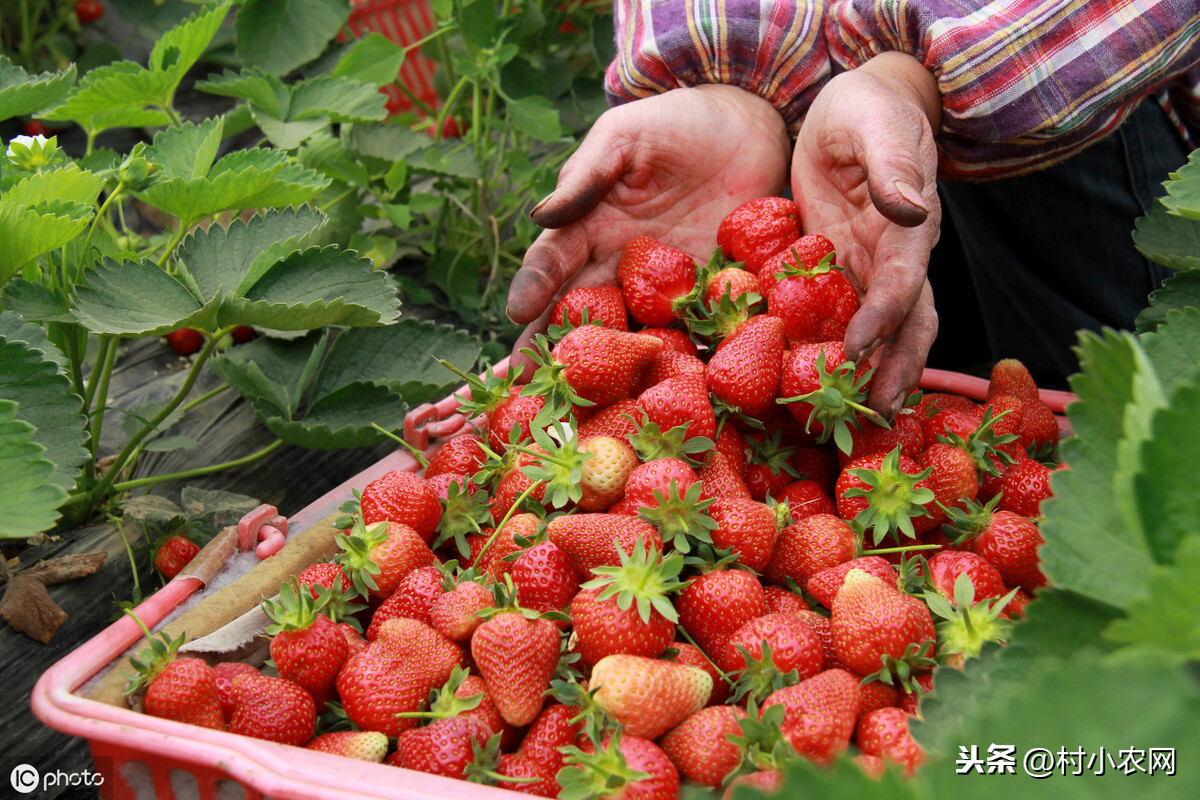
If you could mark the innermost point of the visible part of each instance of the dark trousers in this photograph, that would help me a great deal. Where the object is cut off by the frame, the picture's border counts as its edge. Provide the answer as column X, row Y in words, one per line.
column 1024, row 263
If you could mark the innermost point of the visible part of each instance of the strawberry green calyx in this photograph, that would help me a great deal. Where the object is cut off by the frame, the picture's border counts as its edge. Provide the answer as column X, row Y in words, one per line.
column 560, row 466
column 652, row 443
column 356, row 546
column 484, row 762
column 295, row 610
column 894, row 498
column 153, row 659
column 716, row 324
column 463, row 512
column 763, row 745
column 966, row 626
column 795, row 268
column 768, row 451
column 597, row 722
column 983, row 444
column 548, row 383
column 556, row 332
column 643, row 577
column 443, row 703
column 681, row 519
column 602, row 773
column 901, row 672
column 837, row 403
column 760, row 677
column 966, row 522
column 484, row 393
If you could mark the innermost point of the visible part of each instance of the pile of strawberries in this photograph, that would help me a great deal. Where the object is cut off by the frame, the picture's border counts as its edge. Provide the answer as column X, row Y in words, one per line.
column 685, row 552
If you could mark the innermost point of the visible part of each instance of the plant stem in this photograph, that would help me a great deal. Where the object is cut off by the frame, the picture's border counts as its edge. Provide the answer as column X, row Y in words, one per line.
column 89, row 395
column 421, row 459
column 99, row 216
column 101, row 397
column 206, row 396
column 198, row 471
column 325, row 208
column 172, row 243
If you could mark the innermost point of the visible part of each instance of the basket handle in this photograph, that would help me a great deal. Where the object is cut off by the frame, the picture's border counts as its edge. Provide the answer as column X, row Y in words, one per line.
column 441, row 420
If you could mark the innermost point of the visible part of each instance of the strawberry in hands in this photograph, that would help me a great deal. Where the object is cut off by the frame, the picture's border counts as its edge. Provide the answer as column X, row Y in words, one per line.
column 757, row 230
column 656, row 279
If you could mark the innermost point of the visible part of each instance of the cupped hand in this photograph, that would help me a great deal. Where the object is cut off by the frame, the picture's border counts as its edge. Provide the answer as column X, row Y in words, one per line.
column 670, row 166
column 864, row 175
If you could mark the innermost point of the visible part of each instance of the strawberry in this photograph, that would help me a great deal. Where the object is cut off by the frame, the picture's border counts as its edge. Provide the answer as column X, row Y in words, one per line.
column 1010, row 376
column 825, row 391
column 590, row 366
column 767, row 648
column 627, row 609
column 602, row 477
column 306, row 646
column 922, row 685
column 757, row 229
column 623, row 766
column 175, row 553
column 815, row 303
column 517, row 657
column 1039, row 428
column 875, row 626
column 952, row 478
column 443, row 747
column 554, row 729
column 768, row 468
column 185, row 690
column 820, row 626
column 716, row 603
column 825, row 584
column 818, row 713
column 323, row 575
column 907, row 430
column 782, row 601
column 510, row 539
column 363, row 745
column 510, row 418
column 672, row 339
column 658, row 476
column 274, row 709
column 889, row 495
column 225, row 673
column 1009, row 541
column 732, row 445
column 412, row 599
column 655, row 279
column 185, row 341
column 699, row 746
column 515, row 486
column 619, row 419
column 669, row 363
column 807, row 252
column 403, row 497
column 595, row 540
column 731, row 282
column 528, row 776
column 744, row 371
column 544, row 579
column 459, row 455
column 805, row 498
column 602, row 305
column 806, row 547
column 454, row 614
column 622, row 684
column 957, row 421
column 1024, row 486
column 419, row 646
column 876, row 694
column 374, row 687
column 720, row 478
column 766, row 781
column 748, row 528
column 688, row 653
column 884, row 733
column 682, row 400
column 945, row 567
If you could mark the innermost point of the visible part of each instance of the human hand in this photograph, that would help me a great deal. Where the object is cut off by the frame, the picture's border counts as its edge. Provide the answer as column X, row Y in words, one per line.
column 864, row 174
column 670, row 167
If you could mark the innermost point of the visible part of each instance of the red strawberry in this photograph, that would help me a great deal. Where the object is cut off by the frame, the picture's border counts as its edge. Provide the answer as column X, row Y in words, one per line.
column 874, row 623
column 682, row 400
column 757, row 229
column 600, row 365
column 876, row 694
column 544, row 579
column 670, row 363
column 820, row 626
column 907, row 430
column 1010, row 376
column 513, row 485
column 323, row 575
column 528, row 776
column 952, row 478
column 808, row 251
column 604, row 305
column 673, row 339
column 768, row 468
column 718, row 602
column 459, row 455
column 782, row 601
column 884, row 733
column 688, row 653
column 805, row 498
column 1039, row 427
column 1008, row 540
column 804, row 548
column 825, row 585
column 887, row 495
column 731, row 282
column 623, row 766
column 1024, row 486
column 766, row 781
column 554, row 728
column 185, row 690
column 175, row 553
column 748, row 528
column 655, row 279
column 306, row 646
column 658, row 476
column 403, row 497
column 744, row 371
column 454, row 614
column 593, row 540
column 824, row 391
column 414, row 596
column 273, row 709
column 732, row 445
column 622, row 684
column 374, row 687
column 819, row 713
column 945, row 567
column 497, row 561
column 509, row 419
column 922, row 685
column 619, row 419
column 792, row 643
column 363, row 745
column 185, row 341
column 517, row 657
column 815, row 303
column 225, row 673
column 720, row 478
column 443, row 747
column 420, row 646
column 699, row 746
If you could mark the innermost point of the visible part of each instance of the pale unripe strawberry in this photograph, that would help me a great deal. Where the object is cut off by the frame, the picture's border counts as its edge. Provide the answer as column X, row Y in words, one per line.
column 603, row 476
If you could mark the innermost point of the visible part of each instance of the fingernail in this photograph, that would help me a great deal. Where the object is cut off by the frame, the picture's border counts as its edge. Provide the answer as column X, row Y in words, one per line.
column 868, row 349
column 540, row 205
column 910, row 194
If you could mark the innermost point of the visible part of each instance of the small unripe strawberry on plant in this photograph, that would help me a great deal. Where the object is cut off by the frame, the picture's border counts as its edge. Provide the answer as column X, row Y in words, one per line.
column 758, row 229
column 175, row 553
column 699, row 746
column 274, row 709
column 403, row 497
column 363, row 745
column 876, row 627
column 655, row 279
column 185, row 341
column 623, row 683
column 306, row 646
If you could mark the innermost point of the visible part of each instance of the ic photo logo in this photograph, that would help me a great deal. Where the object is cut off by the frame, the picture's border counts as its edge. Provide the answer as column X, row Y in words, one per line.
column 25, row 778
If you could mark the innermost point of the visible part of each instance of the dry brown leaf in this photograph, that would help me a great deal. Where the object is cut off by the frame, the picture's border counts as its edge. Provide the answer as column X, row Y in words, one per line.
column 66, row 568
column 28, row 608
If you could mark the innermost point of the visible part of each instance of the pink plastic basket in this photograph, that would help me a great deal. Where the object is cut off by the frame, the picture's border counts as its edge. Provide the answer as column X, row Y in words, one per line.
column 173, row 753
column 405, row 22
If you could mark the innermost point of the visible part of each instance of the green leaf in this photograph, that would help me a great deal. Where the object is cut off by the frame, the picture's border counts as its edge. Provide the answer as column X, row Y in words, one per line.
column 22, row 93
column 373, row 59
column 339, row 99
column 1088, row 548
column 136, row 299
column 30, row 500
column 1183, row 190
column 1180, row 291
column 67, row 183
column 187, row 152
column 1166, row 490
column 536, row 117
column 400, row 357
column 389, row 142
column 280, row 35
column 232, row 258
column 178, row 50
column 32, row 375
column 27, row 232
column 314, row 288
column 1148, row 397
column 33, row 302
column 261, row 89
column 288, row 135
column 342, row 419
column 1164, row 621
column 478, row 23
column 165, row 444
column 271, row 373
column 1168, row 239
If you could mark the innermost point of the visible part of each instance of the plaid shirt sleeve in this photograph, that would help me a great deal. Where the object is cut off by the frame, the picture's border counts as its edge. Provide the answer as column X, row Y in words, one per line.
column 1026, row 83
column 776, row 50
